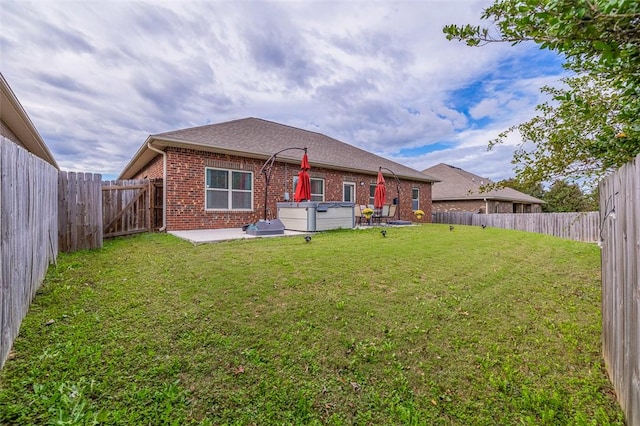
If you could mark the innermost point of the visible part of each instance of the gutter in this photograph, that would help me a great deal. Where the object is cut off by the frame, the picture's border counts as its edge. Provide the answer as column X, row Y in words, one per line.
column 164, row 190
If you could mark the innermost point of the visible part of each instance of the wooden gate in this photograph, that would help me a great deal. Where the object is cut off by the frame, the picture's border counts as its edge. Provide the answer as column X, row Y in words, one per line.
column 131, row 206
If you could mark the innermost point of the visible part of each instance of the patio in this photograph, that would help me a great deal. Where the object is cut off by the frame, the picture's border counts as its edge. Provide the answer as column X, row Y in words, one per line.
column 201, row 236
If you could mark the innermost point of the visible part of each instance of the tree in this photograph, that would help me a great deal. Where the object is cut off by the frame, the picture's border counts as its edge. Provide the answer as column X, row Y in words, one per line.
column 535, row 190
column 566, row 197
column 561, row 196
column 580, row 135
column 592, row 124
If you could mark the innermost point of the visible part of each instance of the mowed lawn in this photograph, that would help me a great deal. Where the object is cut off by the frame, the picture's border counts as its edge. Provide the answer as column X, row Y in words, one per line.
column 423, row 326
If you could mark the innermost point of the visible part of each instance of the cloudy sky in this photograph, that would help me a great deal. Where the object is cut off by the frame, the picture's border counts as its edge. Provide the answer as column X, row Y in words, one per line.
column 98, row 77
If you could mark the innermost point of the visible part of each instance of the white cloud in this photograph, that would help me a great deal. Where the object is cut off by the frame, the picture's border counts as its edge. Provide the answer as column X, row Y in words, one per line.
column 486, row 108
column 99, row 77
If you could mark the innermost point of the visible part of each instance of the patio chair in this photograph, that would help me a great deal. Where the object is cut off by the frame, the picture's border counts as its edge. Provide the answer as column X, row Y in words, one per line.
column 357, row 212
column 385, row 211
column 380, row 214
column 391, row 214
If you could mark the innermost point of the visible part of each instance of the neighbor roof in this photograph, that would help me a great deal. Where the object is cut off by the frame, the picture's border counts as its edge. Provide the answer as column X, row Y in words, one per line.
column 257, row 138
column 17, row 120
column 458, row 184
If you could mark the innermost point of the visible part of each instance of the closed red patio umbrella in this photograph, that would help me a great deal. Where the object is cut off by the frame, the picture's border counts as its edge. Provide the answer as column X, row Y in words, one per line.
column 381, row 192
column 303, row 187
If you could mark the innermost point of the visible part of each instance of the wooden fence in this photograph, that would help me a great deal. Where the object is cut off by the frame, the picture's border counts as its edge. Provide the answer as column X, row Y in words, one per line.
column 584, row 226
column 453, row 218
column 620, row 241
column 28, row 234
column 79, row 211
column 131, row 206
column 90, row 210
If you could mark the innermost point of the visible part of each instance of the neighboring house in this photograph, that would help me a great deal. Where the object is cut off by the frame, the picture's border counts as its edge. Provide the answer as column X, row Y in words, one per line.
column 16, row 125
column 212, row 174
column 460, row 191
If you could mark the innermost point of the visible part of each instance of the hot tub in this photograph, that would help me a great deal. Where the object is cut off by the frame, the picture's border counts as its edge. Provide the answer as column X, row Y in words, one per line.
column 312, row 216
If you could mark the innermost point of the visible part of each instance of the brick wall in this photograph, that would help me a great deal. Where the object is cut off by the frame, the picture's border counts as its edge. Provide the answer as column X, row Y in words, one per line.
column 153, row 170
column 185, row 189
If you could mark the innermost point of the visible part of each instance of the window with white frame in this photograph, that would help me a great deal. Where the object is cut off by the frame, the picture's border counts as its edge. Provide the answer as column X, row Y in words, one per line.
column 349, row 192
column 415, row 199
column 228, row 189
column 317, row 188
column 372, row 193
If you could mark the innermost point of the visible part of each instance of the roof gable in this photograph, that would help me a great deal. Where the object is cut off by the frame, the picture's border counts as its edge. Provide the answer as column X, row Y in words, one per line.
column 458, row 184
column 258, row 138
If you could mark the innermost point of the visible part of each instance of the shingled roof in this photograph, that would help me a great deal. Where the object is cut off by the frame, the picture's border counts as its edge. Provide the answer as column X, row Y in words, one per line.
column 458, row 184
column 258, row 138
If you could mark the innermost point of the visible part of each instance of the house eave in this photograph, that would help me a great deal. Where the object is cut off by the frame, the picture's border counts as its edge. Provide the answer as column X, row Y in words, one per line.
column 16, row 118
column 144, row 155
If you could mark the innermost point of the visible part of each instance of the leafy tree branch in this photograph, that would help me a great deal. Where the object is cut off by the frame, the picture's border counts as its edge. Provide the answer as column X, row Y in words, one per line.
column 592, row 124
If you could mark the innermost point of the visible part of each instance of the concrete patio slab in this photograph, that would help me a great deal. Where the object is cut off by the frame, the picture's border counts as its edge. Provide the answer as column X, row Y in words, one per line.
column 200, row 236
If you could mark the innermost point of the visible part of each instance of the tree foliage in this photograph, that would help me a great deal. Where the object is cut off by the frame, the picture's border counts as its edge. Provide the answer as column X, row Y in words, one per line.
column 561, row 196
column 592, row 123
column 567, row 197
column 533, row 189
column 581, row 134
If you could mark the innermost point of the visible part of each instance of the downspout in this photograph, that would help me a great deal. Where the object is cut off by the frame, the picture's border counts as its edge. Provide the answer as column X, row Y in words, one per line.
column 164, row 182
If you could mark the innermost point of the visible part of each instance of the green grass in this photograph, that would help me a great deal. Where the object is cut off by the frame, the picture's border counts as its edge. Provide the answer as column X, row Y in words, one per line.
column 425, row 326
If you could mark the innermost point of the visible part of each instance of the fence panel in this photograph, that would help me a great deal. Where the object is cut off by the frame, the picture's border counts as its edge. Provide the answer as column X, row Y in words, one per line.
column 28, row 232
column 453, row 218
column 583, row 226
column 131, row 206
column 620, row 241
column 79, row 211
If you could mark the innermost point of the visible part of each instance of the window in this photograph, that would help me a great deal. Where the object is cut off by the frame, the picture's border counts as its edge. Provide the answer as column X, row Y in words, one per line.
column 415, row 199
column 228, row 189
column 349, row 192
column 317, row 188
column 372, row 193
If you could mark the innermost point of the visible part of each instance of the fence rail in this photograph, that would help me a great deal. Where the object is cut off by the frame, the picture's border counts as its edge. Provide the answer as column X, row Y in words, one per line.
column 619, row 217
column 28, row 234
column 583, row 226
column 79, row 211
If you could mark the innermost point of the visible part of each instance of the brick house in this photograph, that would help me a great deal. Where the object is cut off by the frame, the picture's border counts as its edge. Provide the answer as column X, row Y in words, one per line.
column 460, row 191
column 212, row 176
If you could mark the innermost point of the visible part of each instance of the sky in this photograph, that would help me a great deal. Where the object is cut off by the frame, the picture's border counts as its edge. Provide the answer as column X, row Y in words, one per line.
column 98, row 77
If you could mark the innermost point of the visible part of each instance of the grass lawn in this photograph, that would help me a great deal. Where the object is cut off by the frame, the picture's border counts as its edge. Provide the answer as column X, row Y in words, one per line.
column 425, row 326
